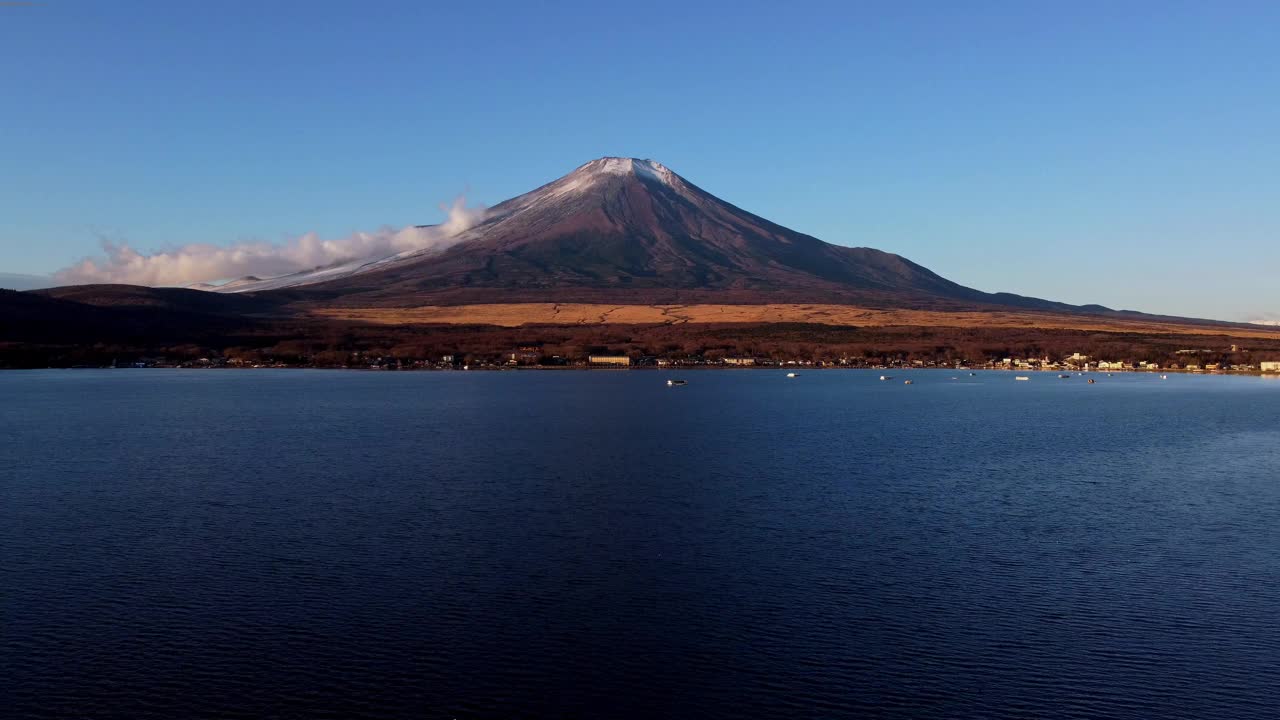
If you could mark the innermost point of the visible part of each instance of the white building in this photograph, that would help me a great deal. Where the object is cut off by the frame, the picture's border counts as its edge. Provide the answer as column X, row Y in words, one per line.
column 1271, row 367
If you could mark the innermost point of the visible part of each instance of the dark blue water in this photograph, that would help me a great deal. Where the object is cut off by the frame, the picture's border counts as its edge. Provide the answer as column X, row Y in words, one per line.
column 565, row 544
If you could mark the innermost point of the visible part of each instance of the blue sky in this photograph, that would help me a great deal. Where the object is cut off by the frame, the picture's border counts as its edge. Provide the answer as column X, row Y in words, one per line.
column 1119, row 153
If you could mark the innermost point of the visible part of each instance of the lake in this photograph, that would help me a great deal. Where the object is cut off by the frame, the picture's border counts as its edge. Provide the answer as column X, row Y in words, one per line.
column 558, row 544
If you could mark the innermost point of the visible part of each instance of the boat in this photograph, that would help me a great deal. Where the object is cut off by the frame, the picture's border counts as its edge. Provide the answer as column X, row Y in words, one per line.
column 676, row 383
column 1064, row 376
column 1022, row 377
column 791, row 374
column 1164, row 377
column 973, row 374
column 906, row 382
column 1091, row 381
column 886, row 377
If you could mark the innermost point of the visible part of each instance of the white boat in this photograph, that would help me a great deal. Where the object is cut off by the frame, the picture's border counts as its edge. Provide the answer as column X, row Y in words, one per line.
column 886, row 377
column 791, row 374
column 1022, row 377
column 1164, row 377
column 906, row 382
column 676, row 383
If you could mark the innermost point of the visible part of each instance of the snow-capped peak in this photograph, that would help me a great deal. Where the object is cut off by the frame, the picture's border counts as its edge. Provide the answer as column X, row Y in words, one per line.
column 628, row 166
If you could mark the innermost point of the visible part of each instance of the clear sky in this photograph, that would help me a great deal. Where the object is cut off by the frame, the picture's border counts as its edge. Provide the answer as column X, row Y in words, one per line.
column 1120, row 153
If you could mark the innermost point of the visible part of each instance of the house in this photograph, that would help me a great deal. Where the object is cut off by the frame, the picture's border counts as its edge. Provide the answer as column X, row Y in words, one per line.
column 1271, row 367
column 739, row 361
column 621, row 360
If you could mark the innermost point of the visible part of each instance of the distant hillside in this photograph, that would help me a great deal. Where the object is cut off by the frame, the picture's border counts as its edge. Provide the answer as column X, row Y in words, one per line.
column 45, row 317
column 181, row 300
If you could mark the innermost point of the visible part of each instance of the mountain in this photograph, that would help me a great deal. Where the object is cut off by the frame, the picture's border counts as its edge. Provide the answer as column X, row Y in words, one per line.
column 83, row 315
column 631, row 230
column 620, row 255
column 178, row 300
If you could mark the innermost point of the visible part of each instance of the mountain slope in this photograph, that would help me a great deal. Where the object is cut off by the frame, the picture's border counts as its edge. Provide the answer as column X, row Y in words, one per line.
column 623, row 229
column 83, row 315
column 185, row 300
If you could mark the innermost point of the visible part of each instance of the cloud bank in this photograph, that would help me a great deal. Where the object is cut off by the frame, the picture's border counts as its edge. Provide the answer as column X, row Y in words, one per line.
column 17, row 281
column 202, row 263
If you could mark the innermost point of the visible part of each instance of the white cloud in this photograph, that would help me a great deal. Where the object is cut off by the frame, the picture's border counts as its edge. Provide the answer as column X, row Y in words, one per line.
column 210, row 263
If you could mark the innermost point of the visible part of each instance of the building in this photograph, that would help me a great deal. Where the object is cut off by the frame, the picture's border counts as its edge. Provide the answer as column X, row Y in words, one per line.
column 525, row 355
column 622, row 360
column 739, row 361
column 1271, row 367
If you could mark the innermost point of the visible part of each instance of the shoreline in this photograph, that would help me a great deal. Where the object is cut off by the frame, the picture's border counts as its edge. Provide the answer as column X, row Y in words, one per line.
column 649, row 368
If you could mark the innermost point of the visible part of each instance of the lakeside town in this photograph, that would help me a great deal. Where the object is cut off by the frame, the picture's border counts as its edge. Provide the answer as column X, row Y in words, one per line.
column 532, row 357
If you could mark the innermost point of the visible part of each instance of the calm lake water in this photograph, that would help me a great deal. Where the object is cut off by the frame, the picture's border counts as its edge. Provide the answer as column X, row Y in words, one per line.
column 199, row 544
